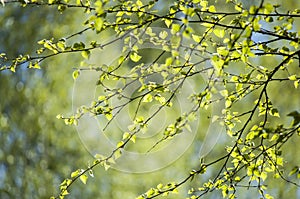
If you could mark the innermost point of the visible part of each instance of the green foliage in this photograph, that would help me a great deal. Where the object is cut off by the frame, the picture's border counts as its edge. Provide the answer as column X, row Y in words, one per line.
column 229, row 44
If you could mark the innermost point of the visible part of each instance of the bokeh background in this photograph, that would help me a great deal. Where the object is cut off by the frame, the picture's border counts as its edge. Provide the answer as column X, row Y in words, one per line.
column 38, row 151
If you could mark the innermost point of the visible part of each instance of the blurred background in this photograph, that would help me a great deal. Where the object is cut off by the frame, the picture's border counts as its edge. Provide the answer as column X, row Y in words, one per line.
column 38, row 151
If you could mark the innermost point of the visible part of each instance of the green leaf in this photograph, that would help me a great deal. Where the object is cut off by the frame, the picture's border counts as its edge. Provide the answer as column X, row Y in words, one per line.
column 175, row 28
column 268, row 8
column 296, row 84
column 41, row 42
column 238, row 8
column 75, row 173
column 83, row 178
column 293, row 77
column 274, row 137
column 117, row 154
column 168, row 22
column 161, row 99
column 126, row 135
column 256, row 25
column 139, row 120
column 294, row 170
column 61, row 45
column 65, row 192
column 131, row 127
column 133, row 138
column 203, row 4
column 263, row 175
column 252, row 9
column 85, row 54
column 108, row 115
column 147, row 98
column 51, row 1
column 224, row 93
column 159, row 186
column 120, row 144
column 296, row 116
column 268, row 196
column 212, row 8
column 99, row 7
column 188, row 11
column 274, row 112
column 196, row 38
column 163, row 34
column 217, row 63
column 139, row 3
column 169, row 61
column 91, row 173
column 78, row 46
column 228, row 103
column 150, row 193
column 75, row 74
column 98, row 23
column 12, row 69
column 222, row 51
column 60, row 8
column 135, row 57
column 150, row 32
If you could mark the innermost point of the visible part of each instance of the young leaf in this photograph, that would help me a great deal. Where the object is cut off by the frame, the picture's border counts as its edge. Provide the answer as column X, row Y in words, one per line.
column 135, row 57
column 83, row 178
column 75, row 173
column 219, row 32
column 85, row 54
column 75, row 74
column 147, row 98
